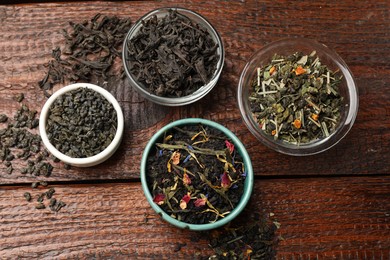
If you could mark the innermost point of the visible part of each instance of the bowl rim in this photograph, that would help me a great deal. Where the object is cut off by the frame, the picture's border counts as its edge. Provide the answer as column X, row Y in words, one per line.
column 248, row 181
column 322, row 144
column 175, row 101
column 88, row 161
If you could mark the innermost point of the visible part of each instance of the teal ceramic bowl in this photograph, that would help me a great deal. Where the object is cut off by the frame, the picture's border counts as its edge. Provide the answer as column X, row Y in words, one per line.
column 248, row 185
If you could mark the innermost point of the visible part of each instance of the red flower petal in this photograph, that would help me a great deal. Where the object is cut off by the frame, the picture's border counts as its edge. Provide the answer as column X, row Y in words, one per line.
column 159, row 199
column 183, row 202
column 225, row 181
column 186, row 198
column 230, row 146
column 200, row 202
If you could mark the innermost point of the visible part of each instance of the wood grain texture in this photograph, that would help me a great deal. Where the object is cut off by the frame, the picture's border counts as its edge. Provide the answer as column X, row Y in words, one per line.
column 328, row 217
column 358, row 31
column 321, row 218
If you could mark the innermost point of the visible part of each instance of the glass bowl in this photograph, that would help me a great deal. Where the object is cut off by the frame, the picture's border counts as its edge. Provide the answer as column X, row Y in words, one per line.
column 248, row 184
column 328, row 57
column 92, row 160
column 173, row 101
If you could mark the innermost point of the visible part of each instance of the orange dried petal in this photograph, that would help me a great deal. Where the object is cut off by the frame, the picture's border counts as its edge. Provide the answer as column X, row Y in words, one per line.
column 315, row 117
column 297, row 123
column 272, row 70
column 175, row 158
column 299, row 70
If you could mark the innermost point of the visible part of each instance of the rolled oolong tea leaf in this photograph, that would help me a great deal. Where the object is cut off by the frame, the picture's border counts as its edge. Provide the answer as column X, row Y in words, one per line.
column 81, row 123
column 27, row 196
column 296, row 98
column 18, row 142
column 172, row 56
column 3, row 118
column 196, row 175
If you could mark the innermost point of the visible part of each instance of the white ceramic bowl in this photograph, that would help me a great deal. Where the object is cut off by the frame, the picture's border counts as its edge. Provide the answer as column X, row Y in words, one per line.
column 88, row 161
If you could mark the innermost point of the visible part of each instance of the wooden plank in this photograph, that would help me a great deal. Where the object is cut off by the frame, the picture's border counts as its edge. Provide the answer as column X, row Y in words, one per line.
column 359, row 32
column 338, row 218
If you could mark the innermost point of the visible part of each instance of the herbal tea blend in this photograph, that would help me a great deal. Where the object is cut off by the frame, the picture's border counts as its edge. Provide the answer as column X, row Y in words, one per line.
column 81, row 123
column 196, row 175
column 172, row 56
column 296, row 98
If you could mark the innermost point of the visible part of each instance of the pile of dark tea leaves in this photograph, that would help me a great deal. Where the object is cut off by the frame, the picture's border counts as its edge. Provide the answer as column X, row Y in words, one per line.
column 54, row 204
column 18, row 141
column 254, row 238
column 81, row 123
column 172, row 56
column 90, row 53
column 296, row 98
column 196, row 174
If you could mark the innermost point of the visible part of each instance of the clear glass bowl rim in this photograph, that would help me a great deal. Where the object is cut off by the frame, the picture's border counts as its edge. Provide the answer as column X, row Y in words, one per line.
column 179, row 101
column 305, row 149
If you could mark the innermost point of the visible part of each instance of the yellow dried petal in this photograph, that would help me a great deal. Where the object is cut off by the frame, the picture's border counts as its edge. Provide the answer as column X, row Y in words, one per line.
column 183, row 204
column 169, row 166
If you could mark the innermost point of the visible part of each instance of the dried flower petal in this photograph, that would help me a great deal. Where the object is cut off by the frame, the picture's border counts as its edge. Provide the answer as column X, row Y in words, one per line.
column 186, row 179
column 297, row 123
column 299, row 70
column 183, row 204
column 315, row 117
column 225, row 181
column 187, row 158
column 169, row 167
column 200, row 202
column 272, row 70
column 186, row 198
column 175, row 158
column 248, row 252
column 159, row 199
column 184, row 201
column 230, row 146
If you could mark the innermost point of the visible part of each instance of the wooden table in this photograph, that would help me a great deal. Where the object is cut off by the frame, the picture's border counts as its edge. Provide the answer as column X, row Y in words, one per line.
column 335, row 205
